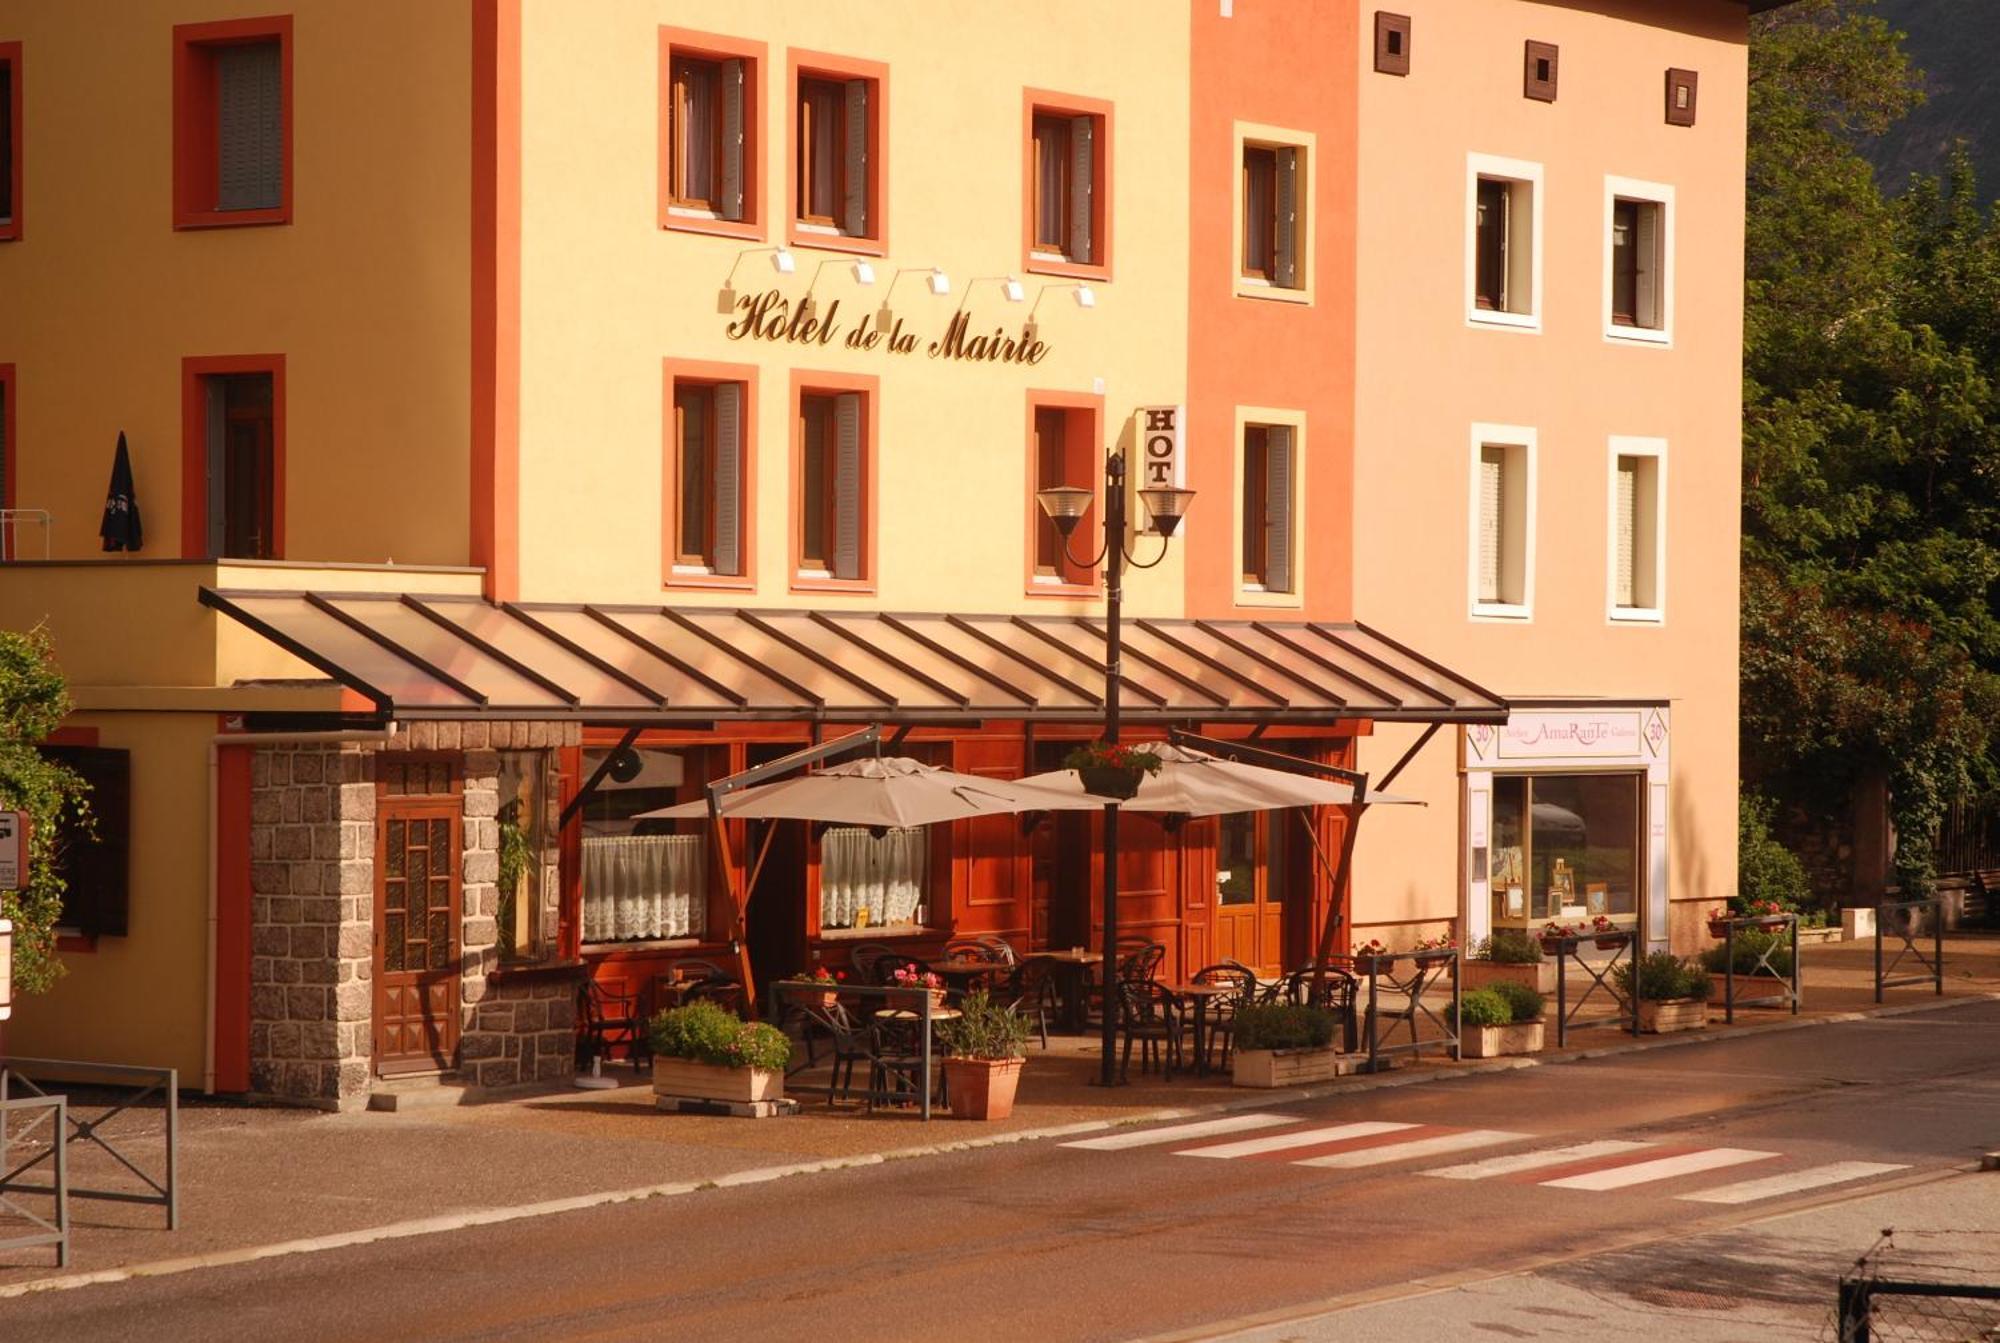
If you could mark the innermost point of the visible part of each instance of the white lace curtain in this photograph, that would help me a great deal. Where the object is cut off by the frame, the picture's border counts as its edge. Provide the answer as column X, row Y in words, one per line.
column 644, row 886
column 884, row 877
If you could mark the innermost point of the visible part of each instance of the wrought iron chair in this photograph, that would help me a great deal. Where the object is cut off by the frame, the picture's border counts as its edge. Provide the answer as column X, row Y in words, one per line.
column 1141, row 961
column 609, row 1018
column 1242, row 981
column 852, row 1043
column 1339, row 992
column 896, row 1062
column 1030, row 989
column 871, row 962
column 1146, row 1014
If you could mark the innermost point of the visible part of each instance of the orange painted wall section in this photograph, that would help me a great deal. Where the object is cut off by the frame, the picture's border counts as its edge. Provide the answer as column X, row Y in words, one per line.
column 1271, row 64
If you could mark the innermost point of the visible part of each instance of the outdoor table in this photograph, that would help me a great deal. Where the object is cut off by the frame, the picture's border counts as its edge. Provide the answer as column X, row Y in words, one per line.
column 1073, row 966
column 960, row 973
column 1197, row 997
column 905, row 1014
column 925, row 1011
column 1788, row 985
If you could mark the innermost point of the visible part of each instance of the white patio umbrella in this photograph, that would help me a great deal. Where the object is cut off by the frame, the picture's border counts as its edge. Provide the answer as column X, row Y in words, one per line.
column 893, row 791
column 1197, row 784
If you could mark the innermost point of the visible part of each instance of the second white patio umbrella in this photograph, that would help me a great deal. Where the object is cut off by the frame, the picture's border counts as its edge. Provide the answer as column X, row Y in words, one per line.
column 1197, row 784
column 893, row 791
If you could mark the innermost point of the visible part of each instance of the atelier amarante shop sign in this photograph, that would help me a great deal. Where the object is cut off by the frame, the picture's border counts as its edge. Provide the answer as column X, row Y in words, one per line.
column 771, row 316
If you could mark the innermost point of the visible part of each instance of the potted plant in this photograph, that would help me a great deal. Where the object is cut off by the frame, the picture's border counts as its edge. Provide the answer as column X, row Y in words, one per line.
column 1609, row 935
column 907, row 976
column 1554, row 935
column 826, row 994
column 1718, row 921
column 1373, row 955
column 1502, row 1020
column 704, row 1052
column 1511, row 955
column 1283, row 1044
column 1112, row 771
column 1672, row 993
column 1751, row 945
column 985, row 1048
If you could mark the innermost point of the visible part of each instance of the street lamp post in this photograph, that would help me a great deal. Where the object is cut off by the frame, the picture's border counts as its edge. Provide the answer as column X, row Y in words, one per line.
column 1066, row 506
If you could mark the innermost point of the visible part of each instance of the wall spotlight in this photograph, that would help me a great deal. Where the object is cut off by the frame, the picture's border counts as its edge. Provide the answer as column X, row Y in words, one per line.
column 782, row 261
column 939, row 282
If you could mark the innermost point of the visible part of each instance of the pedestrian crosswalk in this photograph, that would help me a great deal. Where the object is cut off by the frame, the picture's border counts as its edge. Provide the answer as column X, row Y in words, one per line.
column 1596, row 1166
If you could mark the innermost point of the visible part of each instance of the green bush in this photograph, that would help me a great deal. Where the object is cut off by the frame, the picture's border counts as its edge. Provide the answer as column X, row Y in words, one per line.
column 1283, row 1026
column 1509, row 946
column 1765, row 869
column 1523, row 1001
column 1663, row 975
column 985, row 1030
column 1483, row 1007
column 1751, row 943
column 703, row 1032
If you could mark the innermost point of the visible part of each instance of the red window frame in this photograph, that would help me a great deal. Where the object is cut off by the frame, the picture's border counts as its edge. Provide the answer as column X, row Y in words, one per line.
column 702, row 371
column 194, row 446
column 809, row 383
column 1083, row 465
column 805, row 65
column 676, row 43
column 195, row 149
column 1044, row 102
column 10, row 56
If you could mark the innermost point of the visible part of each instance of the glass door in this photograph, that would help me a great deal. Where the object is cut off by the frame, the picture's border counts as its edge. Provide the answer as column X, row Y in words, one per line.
column 1250, row 890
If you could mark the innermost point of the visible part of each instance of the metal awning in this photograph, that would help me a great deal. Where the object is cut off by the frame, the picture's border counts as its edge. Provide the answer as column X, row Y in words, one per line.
column 439, row 656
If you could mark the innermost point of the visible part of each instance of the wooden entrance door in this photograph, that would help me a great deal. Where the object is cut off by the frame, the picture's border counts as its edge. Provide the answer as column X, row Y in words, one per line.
column 1250, row 890
column 417, row 847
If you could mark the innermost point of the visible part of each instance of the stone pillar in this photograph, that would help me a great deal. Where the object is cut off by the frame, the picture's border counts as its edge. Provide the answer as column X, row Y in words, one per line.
column 312, row 846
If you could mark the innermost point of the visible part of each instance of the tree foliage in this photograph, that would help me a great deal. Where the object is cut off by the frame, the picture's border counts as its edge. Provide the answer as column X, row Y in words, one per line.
column 1871, row 443
column 33, row 703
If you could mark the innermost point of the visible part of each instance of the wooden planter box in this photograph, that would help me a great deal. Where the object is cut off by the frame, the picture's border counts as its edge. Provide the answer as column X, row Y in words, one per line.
column 706, row 1081
column 1492, row 1042
column 1664, row 1016
column 982, row 1088
column 1537, row 975
column 1283, row 1067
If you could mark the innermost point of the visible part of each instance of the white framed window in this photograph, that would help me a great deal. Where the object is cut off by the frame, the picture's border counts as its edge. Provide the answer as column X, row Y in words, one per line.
column 1635, row 558
column 1270, row 502
column 1501, row 525
column 1503, row 242
column 1638, row 261
column 1273, row 220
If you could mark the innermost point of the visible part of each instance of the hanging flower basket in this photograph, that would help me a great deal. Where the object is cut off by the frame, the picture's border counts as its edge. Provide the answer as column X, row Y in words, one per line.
column 1112, row 771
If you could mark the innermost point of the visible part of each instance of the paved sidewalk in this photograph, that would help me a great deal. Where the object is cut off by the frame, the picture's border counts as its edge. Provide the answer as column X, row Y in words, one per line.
column 254, row 1176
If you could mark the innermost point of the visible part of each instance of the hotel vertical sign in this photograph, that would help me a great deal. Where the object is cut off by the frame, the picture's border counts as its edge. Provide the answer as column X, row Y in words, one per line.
column 1162, row 449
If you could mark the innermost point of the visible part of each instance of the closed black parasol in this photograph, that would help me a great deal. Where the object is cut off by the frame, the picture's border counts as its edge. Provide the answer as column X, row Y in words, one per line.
column 121, row 529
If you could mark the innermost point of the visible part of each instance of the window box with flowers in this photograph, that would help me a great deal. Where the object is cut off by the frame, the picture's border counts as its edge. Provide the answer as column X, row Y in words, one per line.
column 819, row 989
column 1112, row 771
column 908, row 976
column 702, row 1052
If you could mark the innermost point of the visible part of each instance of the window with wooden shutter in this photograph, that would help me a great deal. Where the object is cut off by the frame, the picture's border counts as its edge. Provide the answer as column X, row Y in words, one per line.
column 1260, row 211
column 1639, row 218
column 854, row 159
column 1053, row 174
column 1279, row 494
column 1492, row 522
column 695, row 473
column 232, row 115
column 817, row 435
column 726, row 557
column 1504, row 241
column 1490, row 283
column 833, row 486
column 697, row 126
column 97, row 871
column 1082, row 188
column 1285, row 219
column 835, row 128
column 1635, row 534
column 709, row 124
column 250, row 161
column 1065, row 165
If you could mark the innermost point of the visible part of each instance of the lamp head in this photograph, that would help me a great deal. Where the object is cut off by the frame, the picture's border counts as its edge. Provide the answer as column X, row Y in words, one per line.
column 864, row 273
column 1166, row 505
column 1065, row 506
column 782, row 261
column 939, row 282
column 1013, row 289
column 1086, row 297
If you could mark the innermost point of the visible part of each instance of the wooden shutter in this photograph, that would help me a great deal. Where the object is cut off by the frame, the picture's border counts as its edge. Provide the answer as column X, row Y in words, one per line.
column 97, row 871
column 730, row 204
column 250, row 158
column 728, row 557
column 1082, row 186
column 1492, row 504
column 1278, row 495
column 1626, row 519
column 854, row 209
column 847, row 485
column 1646, row 309
column 1285, row 261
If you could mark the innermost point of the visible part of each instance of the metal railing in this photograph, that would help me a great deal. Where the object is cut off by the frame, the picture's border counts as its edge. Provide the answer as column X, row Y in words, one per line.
column 1624, row 947
column 1425, row 970
column 143, row 1084
column 53, row 1229
column 1907, row 934
column 1880, row 1310
column 1789, row 988
column 12, row 520
column 794, row 998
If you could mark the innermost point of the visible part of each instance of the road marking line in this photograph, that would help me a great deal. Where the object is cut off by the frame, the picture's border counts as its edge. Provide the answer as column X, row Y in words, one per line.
column 1792, row 1182
column 1409, row 1151
column 1520, row 1161
column 1173, row 1133
column 1665, row 1168
column 1303, row 1138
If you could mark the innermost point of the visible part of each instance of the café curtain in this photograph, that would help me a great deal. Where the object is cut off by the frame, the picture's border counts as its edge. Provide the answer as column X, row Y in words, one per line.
column 643, row 886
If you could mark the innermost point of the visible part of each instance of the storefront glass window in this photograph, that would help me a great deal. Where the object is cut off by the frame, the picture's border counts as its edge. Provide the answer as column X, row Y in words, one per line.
column 1236, row 860
column 642, row 881
column 527, row 889
column 868, row 880
column 1565, row 848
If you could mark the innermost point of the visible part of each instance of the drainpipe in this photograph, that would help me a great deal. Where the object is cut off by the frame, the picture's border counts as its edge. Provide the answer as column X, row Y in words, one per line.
column 381, row 736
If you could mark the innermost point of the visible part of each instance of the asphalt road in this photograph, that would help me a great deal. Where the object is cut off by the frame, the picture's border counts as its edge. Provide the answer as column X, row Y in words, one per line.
column 1052, row 1241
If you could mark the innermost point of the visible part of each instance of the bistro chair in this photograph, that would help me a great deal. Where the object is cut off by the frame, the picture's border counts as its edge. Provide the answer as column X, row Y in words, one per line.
column 871, row 962
column 1147, row 1013
column 1339, row 992
column 1141, row 961
column 852, row 1043
column 1241, row 980
column 896, row 1062
column 610, row 1018
column 1030, row 989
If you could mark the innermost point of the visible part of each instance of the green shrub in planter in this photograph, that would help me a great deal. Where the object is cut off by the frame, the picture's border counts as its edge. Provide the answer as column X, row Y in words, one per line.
column 702, row 1032
column 1523, row 1002
column 1483, row 1007
column 985, row 1030
column 1662, row 975
column 1283, row 1026
column 1751, row 943
column 1509, row 946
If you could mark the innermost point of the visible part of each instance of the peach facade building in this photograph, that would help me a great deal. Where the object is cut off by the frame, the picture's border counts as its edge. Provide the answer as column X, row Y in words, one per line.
column 537, row 415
